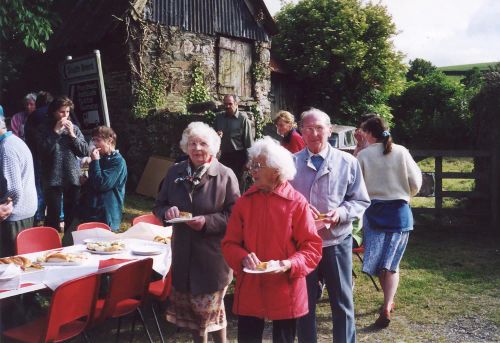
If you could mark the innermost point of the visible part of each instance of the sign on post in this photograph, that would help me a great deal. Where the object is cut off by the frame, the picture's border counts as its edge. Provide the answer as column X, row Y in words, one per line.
column 83, row 81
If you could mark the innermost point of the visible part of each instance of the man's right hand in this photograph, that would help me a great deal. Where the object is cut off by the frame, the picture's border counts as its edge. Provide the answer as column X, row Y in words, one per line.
column 250, row 261
column 6, row 210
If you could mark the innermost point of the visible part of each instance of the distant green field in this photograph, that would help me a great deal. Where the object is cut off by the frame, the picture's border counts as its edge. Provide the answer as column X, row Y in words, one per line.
column 465, row 67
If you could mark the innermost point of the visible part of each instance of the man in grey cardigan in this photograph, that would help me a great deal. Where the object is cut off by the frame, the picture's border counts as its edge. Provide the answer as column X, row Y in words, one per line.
column 18, row 201
column 332, row 182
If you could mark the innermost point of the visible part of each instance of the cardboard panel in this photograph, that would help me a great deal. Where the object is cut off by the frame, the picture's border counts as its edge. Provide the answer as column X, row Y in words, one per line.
column 153, row 174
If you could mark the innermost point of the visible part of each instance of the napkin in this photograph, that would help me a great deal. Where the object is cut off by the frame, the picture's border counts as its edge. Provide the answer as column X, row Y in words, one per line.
column 10, row 278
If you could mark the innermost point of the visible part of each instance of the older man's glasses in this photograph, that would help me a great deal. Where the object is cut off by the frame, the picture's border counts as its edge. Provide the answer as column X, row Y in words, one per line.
column 312, row 129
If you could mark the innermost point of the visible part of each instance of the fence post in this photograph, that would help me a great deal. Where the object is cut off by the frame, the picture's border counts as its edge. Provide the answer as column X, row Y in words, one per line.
column 438, row 199
column 494, row 188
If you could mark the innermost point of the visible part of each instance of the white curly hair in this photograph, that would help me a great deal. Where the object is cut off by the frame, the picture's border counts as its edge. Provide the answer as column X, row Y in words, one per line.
column 275, row 155
column 203, row 131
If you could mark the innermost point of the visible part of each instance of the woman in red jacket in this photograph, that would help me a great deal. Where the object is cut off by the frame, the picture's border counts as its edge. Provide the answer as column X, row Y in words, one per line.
column 270, row 223
column 285, row 125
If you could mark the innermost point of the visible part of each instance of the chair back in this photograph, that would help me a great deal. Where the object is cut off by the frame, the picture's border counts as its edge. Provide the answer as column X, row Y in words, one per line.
column 72, row 302
column 93, row 225
column 36, row 239
column 130, row 281
column 147, row 218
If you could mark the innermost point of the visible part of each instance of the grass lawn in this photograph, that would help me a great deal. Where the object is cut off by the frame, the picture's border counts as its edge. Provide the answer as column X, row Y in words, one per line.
column 448, row 292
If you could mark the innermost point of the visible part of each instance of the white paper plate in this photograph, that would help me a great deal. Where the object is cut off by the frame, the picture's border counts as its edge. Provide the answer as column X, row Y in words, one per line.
column 147, row 251
column 179, row 220
column 271, row 267
column 106, row 252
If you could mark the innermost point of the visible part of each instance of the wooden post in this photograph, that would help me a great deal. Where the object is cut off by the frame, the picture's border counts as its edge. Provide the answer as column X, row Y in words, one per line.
column 494, row 189
column 438, row 199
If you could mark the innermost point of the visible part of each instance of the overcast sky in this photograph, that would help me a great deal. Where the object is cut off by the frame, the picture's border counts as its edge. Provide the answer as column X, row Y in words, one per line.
column 445, row 32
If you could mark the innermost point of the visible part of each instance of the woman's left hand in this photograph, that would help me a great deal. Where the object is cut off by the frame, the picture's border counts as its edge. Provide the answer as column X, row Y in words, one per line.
column 285, row 266
column 197, row 223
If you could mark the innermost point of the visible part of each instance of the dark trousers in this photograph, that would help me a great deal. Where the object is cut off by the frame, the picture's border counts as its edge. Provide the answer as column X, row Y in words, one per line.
column 250, row 330
column 8, row 234
column 70, row 195
column 336, row 268
column 236, row 160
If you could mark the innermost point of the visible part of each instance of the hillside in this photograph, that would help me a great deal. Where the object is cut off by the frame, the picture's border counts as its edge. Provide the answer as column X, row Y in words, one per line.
column 465, row 67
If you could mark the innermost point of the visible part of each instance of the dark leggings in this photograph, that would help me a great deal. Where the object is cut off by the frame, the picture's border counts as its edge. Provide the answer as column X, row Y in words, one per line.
column 53, row 200
column 250, row 330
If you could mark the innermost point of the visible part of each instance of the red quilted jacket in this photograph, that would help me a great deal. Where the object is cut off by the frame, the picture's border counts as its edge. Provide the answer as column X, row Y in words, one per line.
column 275, row 226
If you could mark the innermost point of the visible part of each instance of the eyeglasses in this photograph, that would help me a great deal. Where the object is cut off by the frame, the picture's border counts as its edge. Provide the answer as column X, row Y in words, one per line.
column 255, row 166
column 312, row 129
column 194, row 144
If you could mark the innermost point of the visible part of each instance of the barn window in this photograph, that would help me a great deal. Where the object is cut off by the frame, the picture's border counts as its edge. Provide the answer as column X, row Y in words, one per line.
column 235, row 61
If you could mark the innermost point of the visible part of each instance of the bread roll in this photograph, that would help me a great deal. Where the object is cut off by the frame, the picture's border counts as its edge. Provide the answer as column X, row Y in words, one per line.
column 185, row 215
column 261, row 266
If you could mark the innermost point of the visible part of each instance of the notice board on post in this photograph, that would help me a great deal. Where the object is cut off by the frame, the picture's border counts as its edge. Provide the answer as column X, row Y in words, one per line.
column 153, row 174
column 83, row 82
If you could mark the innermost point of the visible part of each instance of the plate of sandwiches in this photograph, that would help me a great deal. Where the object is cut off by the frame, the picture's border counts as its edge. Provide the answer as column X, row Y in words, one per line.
column 183, row 217
column 20, row 261
column 105, row 247
column 264, row 267
column 162, row 239
column 60, row 258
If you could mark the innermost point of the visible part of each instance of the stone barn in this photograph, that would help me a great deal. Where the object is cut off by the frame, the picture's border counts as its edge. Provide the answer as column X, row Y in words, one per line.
column 156, row 54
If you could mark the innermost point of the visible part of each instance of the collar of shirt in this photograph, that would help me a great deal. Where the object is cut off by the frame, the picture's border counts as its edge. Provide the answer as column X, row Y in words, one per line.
column 322, row 153
column 5, row 135
column 236, row 115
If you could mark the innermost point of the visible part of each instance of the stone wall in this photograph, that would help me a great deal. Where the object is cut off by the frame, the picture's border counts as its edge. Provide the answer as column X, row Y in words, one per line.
column 172, row 52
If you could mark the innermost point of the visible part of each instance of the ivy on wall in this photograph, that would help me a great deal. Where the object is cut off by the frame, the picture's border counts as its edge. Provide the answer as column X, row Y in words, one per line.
column 198, row 92
column 260, row 121
column 150, row 93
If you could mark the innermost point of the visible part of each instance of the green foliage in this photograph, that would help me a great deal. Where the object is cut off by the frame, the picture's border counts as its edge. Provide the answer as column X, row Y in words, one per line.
column 486, row 105
column 260, row 121
column 342, row 52
column 433, row 113
column 29, row 22
column 198, row 91
column 419, row 68
column 150, row 93
column 259, row 71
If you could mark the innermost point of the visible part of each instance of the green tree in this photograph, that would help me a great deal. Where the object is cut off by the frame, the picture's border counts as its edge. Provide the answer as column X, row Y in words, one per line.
column 29, row 22
column 419, row 68
column 341, row 51
column 433, row 113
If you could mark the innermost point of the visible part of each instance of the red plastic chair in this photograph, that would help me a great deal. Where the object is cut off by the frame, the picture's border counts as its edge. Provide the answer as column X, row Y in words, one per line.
column 361, row 250
column 37, row 239
column 158, row 291
column 70, row 311
column 127, row 290
column 93, row 225
column 147, row 218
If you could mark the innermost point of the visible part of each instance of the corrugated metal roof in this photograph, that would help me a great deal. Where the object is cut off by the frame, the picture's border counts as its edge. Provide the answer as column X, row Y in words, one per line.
column 228, row 17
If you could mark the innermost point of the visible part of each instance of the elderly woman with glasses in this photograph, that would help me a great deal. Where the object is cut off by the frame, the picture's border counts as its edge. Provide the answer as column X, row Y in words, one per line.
column 271, row 243
column 198, row 194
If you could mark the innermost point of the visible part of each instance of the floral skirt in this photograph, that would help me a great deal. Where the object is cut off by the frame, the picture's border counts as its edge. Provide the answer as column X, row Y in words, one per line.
column 203, row 312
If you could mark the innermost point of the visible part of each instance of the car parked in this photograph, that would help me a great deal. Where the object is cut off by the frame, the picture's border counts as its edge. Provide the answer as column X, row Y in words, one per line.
column 343, row 138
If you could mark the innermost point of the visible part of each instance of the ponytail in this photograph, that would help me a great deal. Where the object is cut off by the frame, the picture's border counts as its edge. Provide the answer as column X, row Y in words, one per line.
column 379, row 130
column 387, row 143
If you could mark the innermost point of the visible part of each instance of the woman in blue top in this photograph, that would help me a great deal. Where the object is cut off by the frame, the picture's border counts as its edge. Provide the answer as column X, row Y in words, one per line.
column 391, row 177
column 104, row 190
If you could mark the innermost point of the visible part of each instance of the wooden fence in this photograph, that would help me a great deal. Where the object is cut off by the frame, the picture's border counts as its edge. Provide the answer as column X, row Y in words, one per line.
column 487, row 195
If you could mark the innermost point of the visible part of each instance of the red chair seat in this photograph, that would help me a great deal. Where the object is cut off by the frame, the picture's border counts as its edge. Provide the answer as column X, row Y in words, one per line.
column 122, row 308
column 147, row 218
column 156, row 289
column 32, row 332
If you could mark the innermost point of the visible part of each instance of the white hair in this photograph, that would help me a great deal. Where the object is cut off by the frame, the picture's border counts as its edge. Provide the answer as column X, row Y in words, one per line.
column 275, row 155
column 28, row 97
column 203, row 131
column 325, row 118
